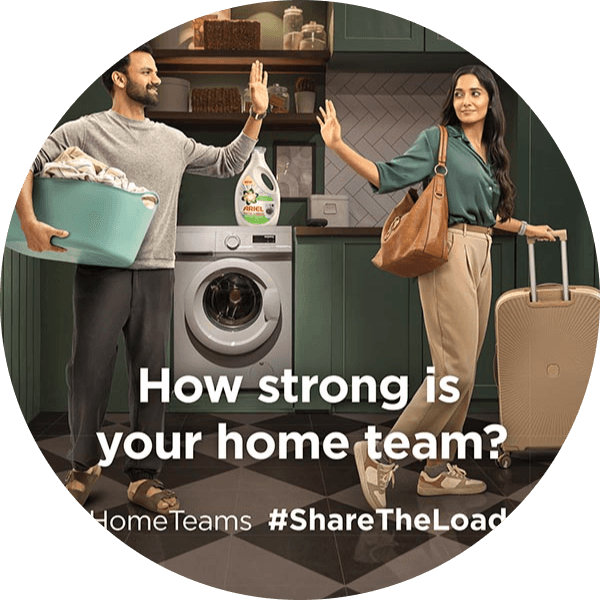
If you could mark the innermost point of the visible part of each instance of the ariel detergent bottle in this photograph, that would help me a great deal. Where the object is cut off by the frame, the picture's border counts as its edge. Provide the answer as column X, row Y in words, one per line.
column 257, row 196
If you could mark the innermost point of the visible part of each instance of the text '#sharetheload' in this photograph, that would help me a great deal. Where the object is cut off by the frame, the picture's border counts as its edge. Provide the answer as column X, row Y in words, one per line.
column 383, row 519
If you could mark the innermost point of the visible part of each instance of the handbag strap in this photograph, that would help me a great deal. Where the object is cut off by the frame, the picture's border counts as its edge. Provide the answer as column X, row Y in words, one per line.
column 442, row 151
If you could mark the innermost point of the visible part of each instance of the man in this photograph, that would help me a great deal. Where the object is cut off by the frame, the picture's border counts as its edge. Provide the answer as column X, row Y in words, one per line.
column 136, row 300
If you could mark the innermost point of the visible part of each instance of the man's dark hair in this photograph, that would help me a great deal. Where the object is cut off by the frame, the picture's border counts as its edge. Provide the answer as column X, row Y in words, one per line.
column 121, row 66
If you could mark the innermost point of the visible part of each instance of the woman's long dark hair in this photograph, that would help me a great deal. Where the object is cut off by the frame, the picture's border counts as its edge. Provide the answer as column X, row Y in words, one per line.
column 493, row 133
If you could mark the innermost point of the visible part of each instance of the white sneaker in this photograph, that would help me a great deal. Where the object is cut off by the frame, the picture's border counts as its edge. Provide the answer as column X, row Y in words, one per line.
column 374, row 476
column 454, row 481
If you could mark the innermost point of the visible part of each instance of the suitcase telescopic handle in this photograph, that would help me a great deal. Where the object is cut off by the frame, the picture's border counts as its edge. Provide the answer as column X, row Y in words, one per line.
column 561, row 234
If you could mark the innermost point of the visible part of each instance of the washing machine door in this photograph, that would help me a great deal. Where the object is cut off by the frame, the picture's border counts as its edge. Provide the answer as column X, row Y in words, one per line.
column 232, row 306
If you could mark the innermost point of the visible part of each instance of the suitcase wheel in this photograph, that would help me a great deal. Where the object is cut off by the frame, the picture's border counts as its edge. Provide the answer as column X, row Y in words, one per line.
column 504, row 461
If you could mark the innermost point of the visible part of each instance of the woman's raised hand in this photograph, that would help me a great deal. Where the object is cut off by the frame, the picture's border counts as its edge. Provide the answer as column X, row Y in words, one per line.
column 331, row 132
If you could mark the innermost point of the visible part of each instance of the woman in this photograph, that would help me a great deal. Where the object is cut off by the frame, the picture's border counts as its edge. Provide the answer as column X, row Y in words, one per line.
column 455, row 297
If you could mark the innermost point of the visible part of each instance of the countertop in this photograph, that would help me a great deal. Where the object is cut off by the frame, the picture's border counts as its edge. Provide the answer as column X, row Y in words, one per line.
column 305, row 231
column 338, row 231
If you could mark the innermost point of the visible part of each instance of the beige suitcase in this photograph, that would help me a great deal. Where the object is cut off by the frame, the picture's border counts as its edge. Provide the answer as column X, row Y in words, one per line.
column 545, row 345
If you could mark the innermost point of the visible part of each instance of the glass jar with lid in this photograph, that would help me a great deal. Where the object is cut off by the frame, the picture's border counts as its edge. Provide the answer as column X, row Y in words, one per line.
column 292, row 28
column 279, row 99
column 246, row 101
column 313, row 37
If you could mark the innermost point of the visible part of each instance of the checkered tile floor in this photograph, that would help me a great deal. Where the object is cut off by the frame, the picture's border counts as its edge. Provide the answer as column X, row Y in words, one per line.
column 291, row 564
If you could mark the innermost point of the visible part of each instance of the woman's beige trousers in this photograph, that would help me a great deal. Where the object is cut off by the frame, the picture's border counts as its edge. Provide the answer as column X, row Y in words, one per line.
column 456, row 302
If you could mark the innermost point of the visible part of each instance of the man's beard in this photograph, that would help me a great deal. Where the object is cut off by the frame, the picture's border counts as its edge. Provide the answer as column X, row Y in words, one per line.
column 140, row 94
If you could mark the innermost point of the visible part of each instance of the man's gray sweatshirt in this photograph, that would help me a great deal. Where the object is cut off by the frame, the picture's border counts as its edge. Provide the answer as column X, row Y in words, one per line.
column 151, row 155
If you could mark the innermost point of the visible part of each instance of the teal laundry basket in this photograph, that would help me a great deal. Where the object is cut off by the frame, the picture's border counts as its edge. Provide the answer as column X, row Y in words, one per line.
column 106, row 225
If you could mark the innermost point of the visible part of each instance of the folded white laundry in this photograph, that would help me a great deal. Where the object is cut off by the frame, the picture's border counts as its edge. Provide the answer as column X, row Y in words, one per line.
column 73, row 163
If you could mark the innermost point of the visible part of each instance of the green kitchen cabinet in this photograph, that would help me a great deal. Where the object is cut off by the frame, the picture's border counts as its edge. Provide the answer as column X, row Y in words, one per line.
column 434, row 42
column 21, row 331
column 548, row 194
column 352, row 319
column 360, row 29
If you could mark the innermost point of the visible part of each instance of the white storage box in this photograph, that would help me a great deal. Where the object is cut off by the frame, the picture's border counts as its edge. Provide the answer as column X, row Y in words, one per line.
column 332, row 208
column 173, row 95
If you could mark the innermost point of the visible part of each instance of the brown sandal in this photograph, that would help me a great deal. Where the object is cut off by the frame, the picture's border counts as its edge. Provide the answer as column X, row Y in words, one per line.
column 87, row 480
column 141, row 498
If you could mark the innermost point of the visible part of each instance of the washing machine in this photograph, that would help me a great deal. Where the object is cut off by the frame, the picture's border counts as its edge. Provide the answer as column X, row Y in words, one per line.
column 233, row 302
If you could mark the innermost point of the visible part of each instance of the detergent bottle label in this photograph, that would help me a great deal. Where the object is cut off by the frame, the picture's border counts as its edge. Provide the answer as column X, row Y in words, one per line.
column 257, row 195
column 258, row 207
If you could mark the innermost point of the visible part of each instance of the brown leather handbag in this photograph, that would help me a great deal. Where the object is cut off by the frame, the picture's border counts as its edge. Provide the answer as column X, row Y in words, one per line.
column 414, row 237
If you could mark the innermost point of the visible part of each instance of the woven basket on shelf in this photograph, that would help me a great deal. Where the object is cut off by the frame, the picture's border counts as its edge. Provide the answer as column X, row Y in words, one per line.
column 223, row 34
column 216, row 100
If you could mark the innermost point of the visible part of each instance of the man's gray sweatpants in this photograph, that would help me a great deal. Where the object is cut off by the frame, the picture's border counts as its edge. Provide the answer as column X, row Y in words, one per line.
column 107, row 301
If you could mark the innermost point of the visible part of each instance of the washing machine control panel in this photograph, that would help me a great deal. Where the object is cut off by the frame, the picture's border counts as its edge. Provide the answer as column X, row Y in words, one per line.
column 213, row 240
column 248, row 242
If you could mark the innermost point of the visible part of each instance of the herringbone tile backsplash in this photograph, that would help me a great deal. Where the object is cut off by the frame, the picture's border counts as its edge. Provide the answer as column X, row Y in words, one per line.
column 381, row 115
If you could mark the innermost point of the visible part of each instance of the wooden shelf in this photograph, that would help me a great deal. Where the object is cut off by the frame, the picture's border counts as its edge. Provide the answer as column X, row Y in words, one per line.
column 238, row 61
column 216, row 121
column 232, row 61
